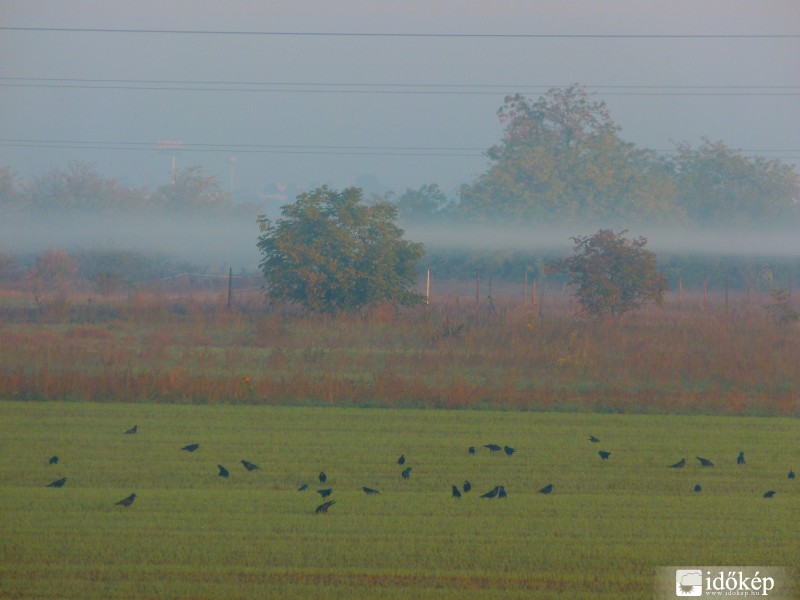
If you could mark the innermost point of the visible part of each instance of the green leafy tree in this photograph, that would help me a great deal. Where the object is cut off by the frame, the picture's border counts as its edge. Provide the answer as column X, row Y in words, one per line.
column 194, row 191
column 331, row 252
column 562, row 160
column 422, row 205
column 612, row 274
column 719, row 186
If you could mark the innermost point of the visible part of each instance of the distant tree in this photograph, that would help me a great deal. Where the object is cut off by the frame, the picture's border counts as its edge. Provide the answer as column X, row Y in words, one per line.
column 612, row 274
column 424, row 204
column 331, row 252
column 562, row 160
column 194, row 191
column 719, row 186
column 52, row 277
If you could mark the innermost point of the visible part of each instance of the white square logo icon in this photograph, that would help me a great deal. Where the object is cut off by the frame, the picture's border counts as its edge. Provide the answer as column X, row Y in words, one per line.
column 688, row 583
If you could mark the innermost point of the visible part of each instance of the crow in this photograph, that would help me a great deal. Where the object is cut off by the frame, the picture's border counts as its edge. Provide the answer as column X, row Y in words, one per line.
column 509, row 450
column 697, row 488
column 406, row 473
column 603, row 454
column 740, row 458
column 303, row 487
column 501, row 492
column 401, row 460
column 325, row 493
column 467, row 487
column 679, row 464
column 322, row 477
column 223, row 472
column 57, row 482
column 546, row 489
column 126, row 502
column 705, row 462
column 249, row 466
column 471, row 450
column 769, row 494
column 53, row 460
column 593, row 439
column 369, row 491
column 492, row 447
column 191, row 447
column 456, row 493
column 132, row 430
column 323, row 508
column 791, row 474
column 492, row 493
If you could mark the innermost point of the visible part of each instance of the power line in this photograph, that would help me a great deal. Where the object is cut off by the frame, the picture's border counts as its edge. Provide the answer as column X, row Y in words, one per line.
column 401, row 34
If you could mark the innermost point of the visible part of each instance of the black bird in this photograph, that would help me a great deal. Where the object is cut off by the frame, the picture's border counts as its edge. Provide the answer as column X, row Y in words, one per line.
column 501, row 492
column 593, row 439
column 467, row 487
column 369, row 491
column 325, row 493
column 57, row 482
column 492, row 493
column 322, row 477
column 679, row 464
column 509, row 450
column 303, row 487
column 191, row 447
column 546, row 489
column 456, row 493
column 406, row 473
column 603, row 454
column 697, row 488
column 401, row 460
column 740, row 458
column 53, row 460
column 492, row 447
column 769, row 494
column 132, row 430
column 705, row 462
column 323, row 508
column 249, row 466
column 126, row 502
column 791, row 474
column 472, row 450
column 223, row 472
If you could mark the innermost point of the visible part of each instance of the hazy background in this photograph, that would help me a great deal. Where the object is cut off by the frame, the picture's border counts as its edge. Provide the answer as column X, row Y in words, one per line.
column 383, row 112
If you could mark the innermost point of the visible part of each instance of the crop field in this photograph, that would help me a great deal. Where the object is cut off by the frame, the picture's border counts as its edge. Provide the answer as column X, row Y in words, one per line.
column 601, row 533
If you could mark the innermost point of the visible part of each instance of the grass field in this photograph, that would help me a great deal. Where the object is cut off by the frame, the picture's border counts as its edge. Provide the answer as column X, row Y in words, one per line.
column 192, row 534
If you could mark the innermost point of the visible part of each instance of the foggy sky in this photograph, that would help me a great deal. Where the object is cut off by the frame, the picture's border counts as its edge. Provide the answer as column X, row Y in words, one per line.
column 303, row 126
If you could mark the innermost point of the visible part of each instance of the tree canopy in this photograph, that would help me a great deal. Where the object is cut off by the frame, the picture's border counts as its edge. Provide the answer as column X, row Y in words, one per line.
column 332, row 252
column 612, row 274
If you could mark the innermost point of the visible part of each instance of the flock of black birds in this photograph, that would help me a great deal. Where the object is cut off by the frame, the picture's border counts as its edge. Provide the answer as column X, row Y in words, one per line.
column 497, row 491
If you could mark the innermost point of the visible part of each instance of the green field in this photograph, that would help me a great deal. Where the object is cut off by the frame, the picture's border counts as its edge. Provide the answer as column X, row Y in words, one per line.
column 191, row 534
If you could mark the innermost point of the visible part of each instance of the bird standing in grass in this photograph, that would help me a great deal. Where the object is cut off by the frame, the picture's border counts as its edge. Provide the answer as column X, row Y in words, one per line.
column 323, row 508
column 325, row 493
column 191, row 447
column 705, row 462
column 501, row 492
column 223, row 472
column 697, row 488
column 322, row 477
column 509, row 450
column 740, row 458
column 493, row 447
column 456, row 493
column 467, row 487
column 132, row 430
column 249, row 466
column 57, row 483
column 401, row 460
column 492, row 493
column 53, row 460
column 546, row 489
column 769, row 494
column 471, row 450
column 593, row 439
column 603, row 454
column 303, row 487
column 791, row 474
column 406, row 473
column 126, row 502
column 679, row 464
column 369, row 491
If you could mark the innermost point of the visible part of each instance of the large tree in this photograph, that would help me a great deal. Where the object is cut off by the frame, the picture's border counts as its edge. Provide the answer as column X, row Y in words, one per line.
column 562, row 160
column 332, row 252
column 612, row 274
